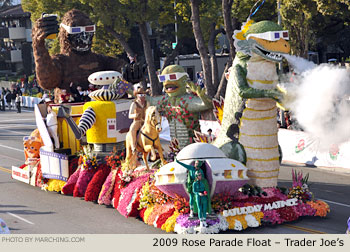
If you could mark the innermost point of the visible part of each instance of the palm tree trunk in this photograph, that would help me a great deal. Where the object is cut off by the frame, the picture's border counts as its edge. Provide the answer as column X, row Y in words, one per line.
column 202, row 48
column 121, row 39
column 156, row 89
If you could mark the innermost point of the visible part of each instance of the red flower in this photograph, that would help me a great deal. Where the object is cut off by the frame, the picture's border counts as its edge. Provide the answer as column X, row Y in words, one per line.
column 190, row 97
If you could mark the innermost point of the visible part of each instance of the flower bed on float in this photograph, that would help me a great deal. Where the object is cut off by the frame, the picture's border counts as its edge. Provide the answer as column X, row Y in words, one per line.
column 136, row 195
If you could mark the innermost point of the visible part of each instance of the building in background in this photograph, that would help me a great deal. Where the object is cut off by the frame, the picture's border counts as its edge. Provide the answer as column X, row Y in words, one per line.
column 16, row 55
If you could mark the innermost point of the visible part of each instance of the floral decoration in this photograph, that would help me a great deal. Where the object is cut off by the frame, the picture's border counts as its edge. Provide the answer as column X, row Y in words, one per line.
column 179, row 112
column 115, row 159
column 88, row 159
column 321, row 207
column 300, row 189
column 181, row 205
column 151, row 195
column 221, row 202
column 163, row 217
column 169, row 225
column 94, row 187
column 105, row 196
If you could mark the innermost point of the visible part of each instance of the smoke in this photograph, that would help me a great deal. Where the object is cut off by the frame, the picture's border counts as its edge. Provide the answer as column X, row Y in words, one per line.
column 299, row 64
column 319, row 99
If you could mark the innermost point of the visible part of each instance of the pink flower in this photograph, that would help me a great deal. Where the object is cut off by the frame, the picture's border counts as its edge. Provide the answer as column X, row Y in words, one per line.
column 190, row 97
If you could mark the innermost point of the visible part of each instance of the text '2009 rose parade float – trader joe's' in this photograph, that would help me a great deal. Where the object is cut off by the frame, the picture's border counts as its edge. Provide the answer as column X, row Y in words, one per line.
column 79, row 149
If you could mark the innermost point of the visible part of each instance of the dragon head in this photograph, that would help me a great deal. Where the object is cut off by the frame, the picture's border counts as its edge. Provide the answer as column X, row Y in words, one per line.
column 265, row 38
column 174, row 78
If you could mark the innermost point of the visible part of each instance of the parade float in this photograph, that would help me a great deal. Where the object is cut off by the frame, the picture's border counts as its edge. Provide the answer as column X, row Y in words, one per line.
column 198, row 187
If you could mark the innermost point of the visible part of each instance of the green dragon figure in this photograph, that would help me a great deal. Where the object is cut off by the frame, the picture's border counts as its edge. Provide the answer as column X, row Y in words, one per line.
column 250, row 104
column 179, row 107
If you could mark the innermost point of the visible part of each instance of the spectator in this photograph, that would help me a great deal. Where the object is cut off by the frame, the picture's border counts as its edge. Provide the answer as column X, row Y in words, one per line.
column 8, row 98
column 200, row 80
column 23, row 88
column 91, row 88
column 2, row 98
column 13, row 98
column 18, row 102
column 25, row 78
column 64, row 97
column 80, row 95
column 287, row 120
column 211, row 137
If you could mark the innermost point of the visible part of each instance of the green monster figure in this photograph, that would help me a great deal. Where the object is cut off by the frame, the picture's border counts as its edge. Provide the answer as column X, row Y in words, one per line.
column 179, row 107
column 250, row 104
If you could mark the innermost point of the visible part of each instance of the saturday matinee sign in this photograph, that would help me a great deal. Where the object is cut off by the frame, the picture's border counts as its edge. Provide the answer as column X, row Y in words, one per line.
column 260, row 207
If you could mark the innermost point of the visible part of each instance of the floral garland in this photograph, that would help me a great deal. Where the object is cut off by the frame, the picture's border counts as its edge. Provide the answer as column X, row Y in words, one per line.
column 95, row 185
column 148, row 211
column 321, row 207
column 157, row 211
column 179, row 113
column 169, row 225
column 105, row 196
column 163, row 217
column 151, row 195
column 129, row 198
column 68, row 188
column 115, row 159
column 181, row 205
column 221, row 202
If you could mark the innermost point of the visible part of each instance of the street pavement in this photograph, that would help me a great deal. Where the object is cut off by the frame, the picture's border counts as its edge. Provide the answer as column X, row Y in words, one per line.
column 29, row 210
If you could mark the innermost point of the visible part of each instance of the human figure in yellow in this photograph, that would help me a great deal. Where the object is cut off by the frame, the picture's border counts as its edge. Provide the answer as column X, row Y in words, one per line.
column 137, row 112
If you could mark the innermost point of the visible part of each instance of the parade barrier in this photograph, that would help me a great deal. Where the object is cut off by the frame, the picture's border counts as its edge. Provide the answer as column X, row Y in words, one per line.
column 303, row 148
column 29, row 101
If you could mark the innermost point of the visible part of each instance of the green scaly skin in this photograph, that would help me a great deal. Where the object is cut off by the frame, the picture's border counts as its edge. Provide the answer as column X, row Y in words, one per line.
column 238, row 91
column 179, row 101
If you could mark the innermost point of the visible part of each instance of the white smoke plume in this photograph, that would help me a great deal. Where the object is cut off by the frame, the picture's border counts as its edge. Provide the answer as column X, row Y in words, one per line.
column 319, row 98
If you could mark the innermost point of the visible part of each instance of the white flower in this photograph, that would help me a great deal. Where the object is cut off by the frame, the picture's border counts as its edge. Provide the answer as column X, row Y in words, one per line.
column 238, row 225
column 251, row 221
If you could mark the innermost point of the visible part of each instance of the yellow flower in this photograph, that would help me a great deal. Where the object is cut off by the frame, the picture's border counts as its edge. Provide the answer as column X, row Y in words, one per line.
column 169, row 225
column 147, row 213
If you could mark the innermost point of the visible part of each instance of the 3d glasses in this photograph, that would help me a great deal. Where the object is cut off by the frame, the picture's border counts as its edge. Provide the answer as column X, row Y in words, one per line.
column 171, row 77
column 271, row 36
column 27, row 138
column 78, row 29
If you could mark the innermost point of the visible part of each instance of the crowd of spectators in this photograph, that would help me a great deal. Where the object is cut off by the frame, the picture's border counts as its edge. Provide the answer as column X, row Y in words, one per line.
column 286, row 120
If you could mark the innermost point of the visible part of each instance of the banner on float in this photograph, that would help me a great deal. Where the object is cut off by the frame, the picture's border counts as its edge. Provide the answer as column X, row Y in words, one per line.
column 21, row 174
column 54, row 165
column 300, row 147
